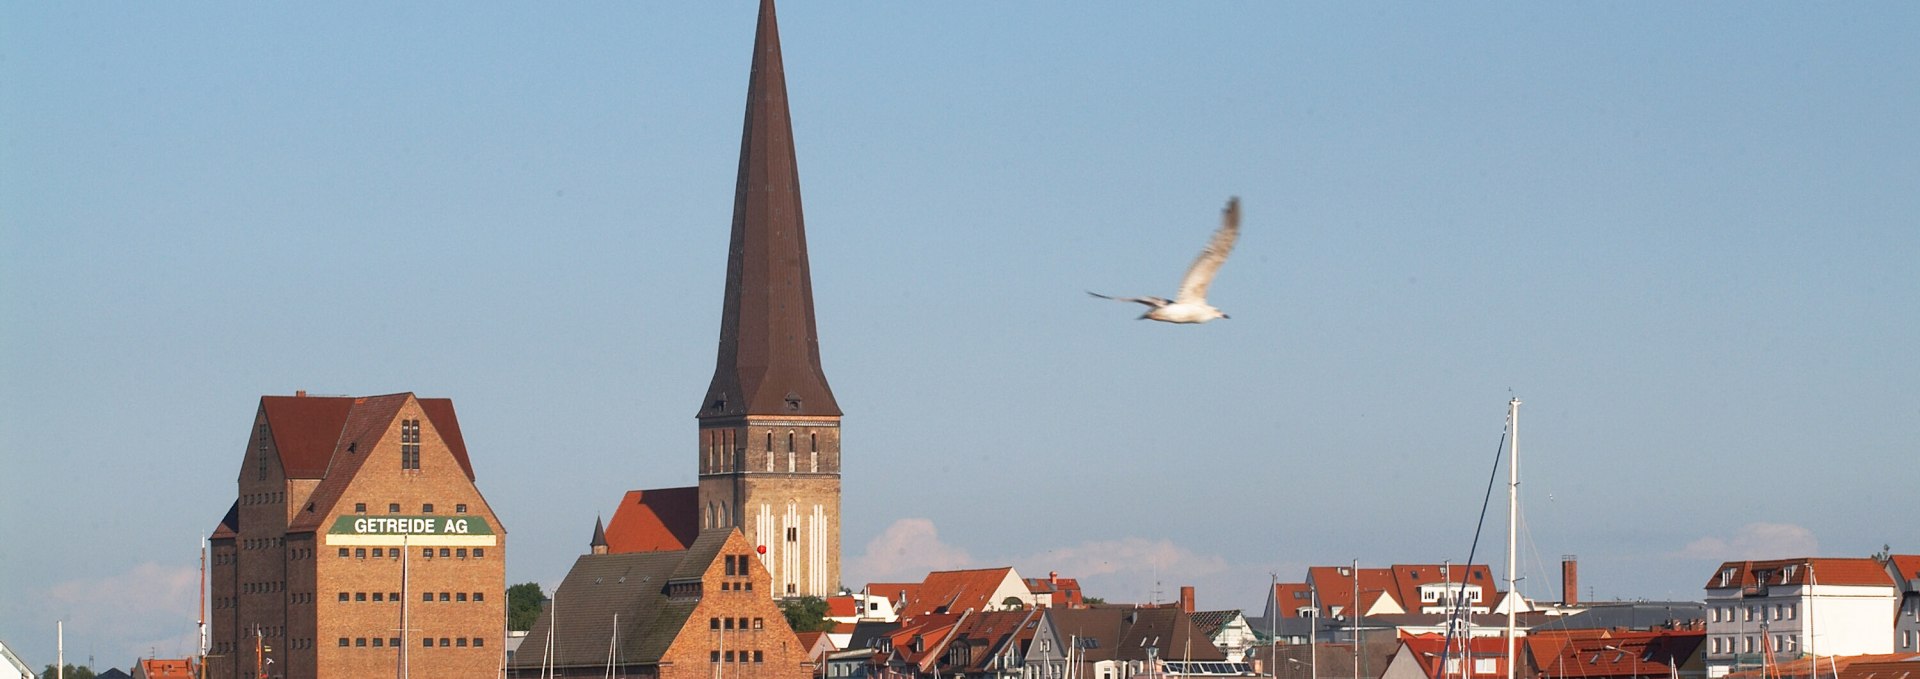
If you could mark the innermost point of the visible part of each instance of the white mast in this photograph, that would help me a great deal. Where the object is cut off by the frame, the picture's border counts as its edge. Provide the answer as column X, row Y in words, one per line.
column 1513, row 517
column 406, row 599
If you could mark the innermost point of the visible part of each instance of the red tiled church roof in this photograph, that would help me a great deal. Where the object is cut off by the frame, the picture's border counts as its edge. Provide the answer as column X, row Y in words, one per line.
column 662, row 519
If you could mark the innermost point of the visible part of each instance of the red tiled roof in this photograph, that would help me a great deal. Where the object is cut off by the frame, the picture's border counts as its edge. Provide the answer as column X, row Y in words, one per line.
column 1289, row 597
column 155, row 668
column 1428, row 649
column 367, row 421
column 1849, row 666
column 955, row 591
column 306, row 430
column 658, row 520
column 1336, row 587
column 1908, row 565
column 899, row 593
column 1824, row 571
column 1605, row 653
column 1408, row 578
column 842, row 607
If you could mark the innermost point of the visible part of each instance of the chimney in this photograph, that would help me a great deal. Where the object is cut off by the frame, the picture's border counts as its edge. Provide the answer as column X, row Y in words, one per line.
column 1186, row 599
column 1053, row 578
column 300, row 393
column 1569, row 580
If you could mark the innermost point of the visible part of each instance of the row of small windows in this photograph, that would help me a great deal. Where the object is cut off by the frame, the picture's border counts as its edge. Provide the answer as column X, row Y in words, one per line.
column 1752, row 612
column 425, row 552
column 263, row 498
column 424, row 596
column 1782, row 643
column 720, row 444
column 262, row 587
column 263, row 543
column 735, row 656
column 729, row 623
column 425, row 642
column 394, row 508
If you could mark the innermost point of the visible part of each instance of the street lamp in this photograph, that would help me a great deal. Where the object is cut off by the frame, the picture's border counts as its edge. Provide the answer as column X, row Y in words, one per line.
column 1636, row 659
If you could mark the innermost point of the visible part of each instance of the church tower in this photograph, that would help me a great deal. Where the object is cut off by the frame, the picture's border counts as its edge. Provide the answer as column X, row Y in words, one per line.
column 769, row 427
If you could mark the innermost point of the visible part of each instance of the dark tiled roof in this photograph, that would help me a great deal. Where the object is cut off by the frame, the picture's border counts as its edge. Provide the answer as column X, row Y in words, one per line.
column 366, row 424
column 632, row 585
column 229, row 527
column 1125, row 633
column 307, row 430
column 655, row 520
column 1208, row 622
column 769, row 359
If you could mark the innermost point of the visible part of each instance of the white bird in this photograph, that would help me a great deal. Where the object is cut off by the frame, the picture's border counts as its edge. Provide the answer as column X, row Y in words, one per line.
column 1190, row 306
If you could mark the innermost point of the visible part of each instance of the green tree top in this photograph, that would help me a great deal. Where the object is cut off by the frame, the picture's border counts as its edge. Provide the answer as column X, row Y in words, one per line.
column 805, row 614
column 523, row 605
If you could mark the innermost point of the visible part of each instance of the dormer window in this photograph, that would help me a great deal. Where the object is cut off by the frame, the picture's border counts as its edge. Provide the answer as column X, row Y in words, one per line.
column 1726, row 576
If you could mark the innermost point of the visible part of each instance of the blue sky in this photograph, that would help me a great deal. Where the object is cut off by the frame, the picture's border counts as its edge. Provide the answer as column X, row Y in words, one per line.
column 1685, row 235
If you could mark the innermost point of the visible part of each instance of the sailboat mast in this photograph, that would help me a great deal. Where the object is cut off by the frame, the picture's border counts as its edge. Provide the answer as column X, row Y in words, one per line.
column 202, row 622
column 1513, row 517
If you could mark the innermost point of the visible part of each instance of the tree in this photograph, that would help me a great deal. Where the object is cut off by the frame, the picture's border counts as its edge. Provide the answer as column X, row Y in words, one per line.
column 523, row 605
column 81, row 672
column 805, row 614
column 1093, row 600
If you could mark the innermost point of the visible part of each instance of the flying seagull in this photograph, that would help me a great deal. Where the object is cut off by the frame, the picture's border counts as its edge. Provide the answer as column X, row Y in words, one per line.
column 1191, row 306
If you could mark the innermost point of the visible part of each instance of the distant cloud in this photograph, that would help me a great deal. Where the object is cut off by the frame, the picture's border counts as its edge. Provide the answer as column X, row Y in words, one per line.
column 905, row 551
column 1755, row 541
column 147, row 609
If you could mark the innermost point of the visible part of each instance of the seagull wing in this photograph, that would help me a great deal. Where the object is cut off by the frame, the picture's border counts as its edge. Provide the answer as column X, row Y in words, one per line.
column 1193, row 288
column 1155, row 302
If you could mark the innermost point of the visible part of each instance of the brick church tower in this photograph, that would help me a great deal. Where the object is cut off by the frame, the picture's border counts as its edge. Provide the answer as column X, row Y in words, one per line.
column 769, row 426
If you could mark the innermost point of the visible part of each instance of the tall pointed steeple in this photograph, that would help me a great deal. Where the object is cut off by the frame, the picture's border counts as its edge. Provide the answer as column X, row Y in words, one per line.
column 770, row 428
column 769, row 361
column 598, row 545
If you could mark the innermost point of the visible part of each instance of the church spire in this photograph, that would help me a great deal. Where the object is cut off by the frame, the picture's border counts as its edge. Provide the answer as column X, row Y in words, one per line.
column 598, row 545
column 769, row 362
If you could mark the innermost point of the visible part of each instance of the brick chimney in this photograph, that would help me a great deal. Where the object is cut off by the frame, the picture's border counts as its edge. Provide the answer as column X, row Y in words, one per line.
column 1186, row 599
column 1569, row 580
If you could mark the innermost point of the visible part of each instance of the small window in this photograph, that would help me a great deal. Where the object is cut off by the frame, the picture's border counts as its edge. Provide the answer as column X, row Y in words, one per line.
column 479, row 596
column 426, row 596
column 378, row 642
column 460, row 508
column 393, row 508
column 360, row 641
column 343, row 642
column 379, row 596
column 479, row 641
column 360, row 508
column 479, row 552
column 713, row 623
column 758, row 657
column 426, row 508
column 445, row 552
column 359, row 596
column 426, row 552
column 759, row 623
column 393, row 641
column 359, row 552
column 713, row 656
column 460, row 642
column 393, row 596
column 426, row 643
column 461, row 552
column 443, row 642
column 343, row 552
column 445, row 596
column 793, row 534
column 462, row 596
column 379, row 553
column 343, row 596
column 726, row 624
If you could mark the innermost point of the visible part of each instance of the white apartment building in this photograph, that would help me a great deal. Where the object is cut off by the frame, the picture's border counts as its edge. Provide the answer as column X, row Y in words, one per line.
column 1788, row 608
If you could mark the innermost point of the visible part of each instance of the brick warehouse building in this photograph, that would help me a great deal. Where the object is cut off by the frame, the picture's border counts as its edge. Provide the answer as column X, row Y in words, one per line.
column 768, row 453
column 695, row 613
column 358, row 543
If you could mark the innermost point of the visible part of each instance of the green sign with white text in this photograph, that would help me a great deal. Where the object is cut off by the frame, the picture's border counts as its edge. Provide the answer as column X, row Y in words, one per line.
column 410, row 525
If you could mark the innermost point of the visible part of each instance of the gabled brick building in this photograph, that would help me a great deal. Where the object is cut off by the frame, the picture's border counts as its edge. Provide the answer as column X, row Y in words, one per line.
column 689, row 614
column 354, row 515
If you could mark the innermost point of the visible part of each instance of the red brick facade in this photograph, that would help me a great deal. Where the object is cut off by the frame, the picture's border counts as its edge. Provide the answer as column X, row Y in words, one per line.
column 326, row 592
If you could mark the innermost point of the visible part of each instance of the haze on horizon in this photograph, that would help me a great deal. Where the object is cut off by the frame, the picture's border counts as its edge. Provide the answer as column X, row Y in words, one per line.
column 1685, row 236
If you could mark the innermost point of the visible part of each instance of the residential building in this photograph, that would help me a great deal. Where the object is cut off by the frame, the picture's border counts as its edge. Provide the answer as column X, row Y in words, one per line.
column 1776, row 610
column 768, row 452
column 1616, row 654
column 352, row 515
column 11, row 666
column 1905, row 571
column 1428, row 656
column 1119, row 642
column 163, row 668
column 975, row 589
column 1056, row 591
column 697, row 613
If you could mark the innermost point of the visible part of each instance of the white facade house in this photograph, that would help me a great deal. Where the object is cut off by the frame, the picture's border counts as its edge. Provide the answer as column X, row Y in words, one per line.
column 1792, row 607
column 11, row 666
